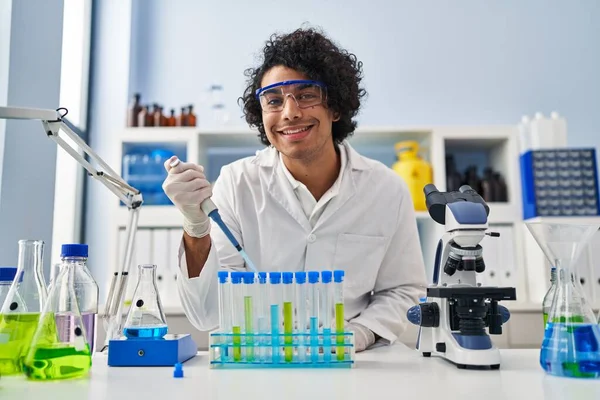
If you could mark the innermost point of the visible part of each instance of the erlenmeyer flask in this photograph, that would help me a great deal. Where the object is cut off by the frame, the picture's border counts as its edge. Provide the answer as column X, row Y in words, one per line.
column 571, row 345
column 146, row 319
column 10, row 345
column 20, row 311
column 59, row 353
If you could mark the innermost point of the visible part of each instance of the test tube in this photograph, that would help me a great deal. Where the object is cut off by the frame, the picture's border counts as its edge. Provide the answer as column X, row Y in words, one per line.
column 275, row 293
column 238, row 314
column 262, row 314
column 248, row 289
column 224, row 311
column 338, row 300
column 301, row 313
column 313, row 312
column 326, row 301
column 288, row 315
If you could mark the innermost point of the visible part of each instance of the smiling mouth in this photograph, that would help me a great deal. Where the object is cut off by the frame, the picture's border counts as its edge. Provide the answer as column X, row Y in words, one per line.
column 295, row 130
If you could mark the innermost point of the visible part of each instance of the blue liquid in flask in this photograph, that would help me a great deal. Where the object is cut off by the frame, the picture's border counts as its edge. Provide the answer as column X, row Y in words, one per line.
column 154, row 332
column 571, row 349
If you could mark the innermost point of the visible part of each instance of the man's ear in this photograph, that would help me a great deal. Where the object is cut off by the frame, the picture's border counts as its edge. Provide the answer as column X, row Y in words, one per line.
column 336, row 116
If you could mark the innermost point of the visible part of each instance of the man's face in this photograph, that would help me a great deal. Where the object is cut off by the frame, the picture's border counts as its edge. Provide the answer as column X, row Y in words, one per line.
column 298, row 133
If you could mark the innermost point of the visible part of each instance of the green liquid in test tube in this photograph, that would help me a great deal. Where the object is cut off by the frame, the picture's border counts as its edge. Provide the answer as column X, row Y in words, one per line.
column 288, row 315
column 238, row 314
column 338, row 299
column 248, row 289
column 262, row 315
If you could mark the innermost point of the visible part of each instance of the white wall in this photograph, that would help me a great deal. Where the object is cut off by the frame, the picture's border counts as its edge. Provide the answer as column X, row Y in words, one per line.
column 434, row 62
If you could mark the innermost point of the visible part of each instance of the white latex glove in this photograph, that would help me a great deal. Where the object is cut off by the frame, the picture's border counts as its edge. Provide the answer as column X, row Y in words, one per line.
column 187, row 187
column 363, row 336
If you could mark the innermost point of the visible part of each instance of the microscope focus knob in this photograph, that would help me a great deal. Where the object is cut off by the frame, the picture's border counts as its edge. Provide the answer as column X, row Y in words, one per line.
column 424, row 314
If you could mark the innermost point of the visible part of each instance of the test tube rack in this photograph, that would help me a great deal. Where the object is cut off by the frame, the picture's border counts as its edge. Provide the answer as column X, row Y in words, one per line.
column 285, row 321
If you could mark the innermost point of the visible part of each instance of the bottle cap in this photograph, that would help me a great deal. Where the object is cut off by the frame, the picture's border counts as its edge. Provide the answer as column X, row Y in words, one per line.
column 300, row 277
column 313, row 277
column 7, row 274
column 338, row 276
column 326, row 276
column 248, row 277
column 223, row 275
column 178, row 371
column 288, row 277
column 236, row 277
column 262, row 277
column 275, row 277
column 74, row 250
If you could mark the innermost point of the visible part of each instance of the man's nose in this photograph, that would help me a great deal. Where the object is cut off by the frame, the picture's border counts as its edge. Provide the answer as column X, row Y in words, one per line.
column 290, row 108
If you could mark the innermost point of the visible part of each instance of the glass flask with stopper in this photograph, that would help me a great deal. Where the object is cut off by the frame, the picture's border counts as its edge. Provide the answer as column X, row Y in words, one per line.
column 22, row 305
column 59, row 349
column 145, row 319
column 571, row 344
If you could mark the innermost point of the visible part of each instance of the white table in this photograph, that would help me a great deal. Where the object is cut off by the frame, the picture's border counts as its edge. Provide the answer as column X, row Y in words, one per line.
column 393, row 372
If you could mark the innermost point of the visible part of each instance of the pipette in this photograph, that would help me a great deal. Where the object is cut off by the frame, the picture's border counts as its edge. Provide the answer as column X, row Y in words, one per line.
column 211, row 210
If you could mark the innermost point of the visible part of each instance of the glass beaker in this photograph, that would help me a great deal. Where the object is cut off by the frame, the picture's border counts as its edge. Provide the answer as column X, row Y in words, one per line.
column 145, row 319
column 572, row 336
column 59, row 349
column 20, row 312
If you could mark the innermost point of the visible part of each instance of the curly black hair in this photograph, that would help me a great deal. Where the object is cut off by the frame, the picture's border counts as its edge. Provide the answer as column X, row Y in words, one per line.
column 313, row 54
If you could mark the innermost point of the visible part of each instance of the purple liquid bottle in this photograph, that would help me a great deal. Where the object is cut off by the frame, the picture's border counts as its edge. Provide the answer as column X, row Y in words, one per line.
column 86, row 292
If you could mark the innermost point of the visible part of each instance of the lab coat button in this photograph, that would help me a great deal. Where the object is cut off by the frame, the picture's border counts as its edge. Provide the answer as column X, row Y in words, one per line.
column 311, row 238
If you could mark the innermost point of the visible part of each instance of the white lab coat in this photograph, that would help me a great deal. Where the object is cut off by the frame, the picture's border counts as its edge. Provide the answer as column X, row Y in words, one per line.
column 369, row 230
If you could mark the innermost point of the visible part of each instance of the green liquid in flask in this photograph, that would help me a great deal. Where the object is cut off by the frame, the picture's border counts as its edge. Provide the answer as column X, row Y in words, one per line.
column 16, row 332
column 288, row 331
column 58, row 361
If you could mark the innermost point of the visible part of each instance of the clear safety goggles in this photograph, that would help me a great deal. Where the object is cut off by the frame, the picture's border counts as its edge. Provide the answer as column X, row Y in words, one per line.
column 305, row 93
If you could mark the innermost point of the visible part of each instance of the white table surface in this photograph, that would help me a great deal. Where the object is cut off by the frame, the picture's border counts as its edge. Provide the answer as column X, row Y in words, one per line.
column 391, row 372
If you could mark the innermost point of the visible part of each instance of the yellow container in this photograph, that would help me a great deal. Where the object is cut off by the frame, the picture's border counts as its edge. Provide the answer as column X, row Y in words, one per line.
column 415, row 171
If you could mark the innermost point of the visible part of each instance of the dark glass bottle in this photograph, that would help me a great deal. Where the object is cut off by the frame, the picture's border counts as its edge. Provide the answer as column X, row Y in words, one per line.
column 191, row 116
column 133, row 110
column 182, row 120
column 142, row 116
column 171, row 120
column 487, row 187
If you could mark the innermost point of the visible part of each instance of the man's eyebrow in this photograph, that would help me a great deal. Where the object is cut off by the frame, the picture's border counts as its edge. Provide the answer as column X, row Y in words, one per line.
column 272, row 91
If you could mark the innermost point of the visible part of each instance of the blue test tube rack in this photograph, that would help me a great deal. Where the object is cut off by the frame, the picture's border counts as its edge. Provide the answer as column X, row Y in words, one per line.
column 279, row 346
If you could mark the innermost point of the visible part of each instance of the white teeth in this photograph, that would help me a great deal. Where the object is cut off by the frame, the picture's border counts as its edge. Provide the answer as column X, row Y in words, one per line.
column 294, row 131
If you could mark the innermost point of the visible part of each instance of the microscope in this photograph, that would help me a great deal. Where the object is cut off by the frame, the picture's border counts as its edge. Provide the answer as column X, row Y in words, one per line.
column 453, row 321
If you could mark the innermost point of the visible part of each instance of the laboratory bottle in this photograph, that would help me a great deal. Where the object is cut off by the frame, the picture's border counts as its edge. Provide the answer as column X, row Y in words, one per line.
column 549, row 297
column 415, row 171
column 23, row 305
column 146, row 319
column 171, row 120
column 453, row 178
column 487, row 186
column 182, row 120
column 191, row 116
column 142, row 116
column 133, row 110
column 10, row 324
column 55, row 352
column 571, row 343
column 86, row 290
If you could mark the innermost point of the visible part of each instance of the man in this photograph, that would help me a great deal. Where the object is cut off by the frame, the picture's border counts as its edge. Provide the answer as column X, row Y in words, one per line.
column 308, row 201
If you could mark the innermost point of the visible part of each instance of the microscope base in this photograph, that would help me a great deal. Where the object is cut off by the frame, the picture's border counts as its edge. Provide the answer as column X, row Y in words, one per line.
column 445, row 344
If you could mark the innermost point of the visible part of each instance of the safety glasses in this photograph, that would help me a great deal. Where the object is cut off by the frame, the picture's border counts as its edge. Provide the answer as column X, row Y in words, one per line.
column 306, row 93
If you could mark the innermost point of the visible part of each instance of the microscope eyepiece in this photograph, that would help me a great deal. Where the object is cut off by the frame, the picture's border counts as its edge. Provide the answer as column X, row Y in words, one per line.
column 430, row 188
column 465, row 189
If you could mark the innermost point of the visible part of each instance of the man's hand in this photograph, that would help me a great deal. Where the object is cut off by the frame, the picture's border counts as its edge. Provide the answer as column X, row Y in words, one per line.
column 363, row 336
column 187, row 187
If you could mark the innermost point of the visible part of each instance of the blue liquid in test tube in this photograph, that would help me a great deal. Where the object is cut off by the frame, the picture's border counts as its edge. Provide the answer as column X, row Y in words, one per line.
column 313, row 312
column 327, row 311
column 276, row 299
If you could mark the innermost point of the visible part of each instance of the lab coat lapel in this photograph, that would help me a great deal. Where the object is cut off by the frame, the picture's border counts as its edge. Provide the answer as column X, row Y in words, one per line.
column 280, row 189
